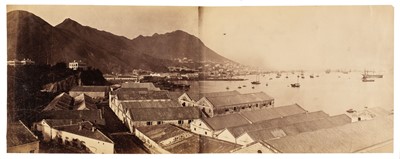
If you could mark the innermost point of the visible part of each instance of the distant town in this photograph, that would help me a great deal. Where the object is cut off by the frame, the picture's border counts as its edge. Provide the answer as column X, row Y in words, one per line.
column 138, row 113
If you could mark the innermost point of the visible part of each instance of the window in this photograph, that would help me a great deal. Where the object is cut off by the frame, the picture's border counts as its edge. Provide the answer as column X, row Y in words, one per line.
column 148, row 123
column 189, row 121
column 180, row 122
column 159, row 122
column 209, row 110
column 259, row 151
column 205, row 132
column 194, row 129
column 32, row 151
column 226, row 110
column 199, row 124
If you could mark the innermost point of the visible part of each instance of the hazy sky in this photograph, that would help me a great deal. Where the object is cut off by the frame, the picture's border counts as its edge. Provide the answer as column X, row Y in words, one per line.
column 320, row 37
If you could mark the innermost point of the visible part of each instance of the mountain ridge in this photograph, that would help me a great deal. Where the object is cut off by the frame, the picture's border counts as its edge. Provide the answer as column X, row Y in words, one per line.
column 29, row 36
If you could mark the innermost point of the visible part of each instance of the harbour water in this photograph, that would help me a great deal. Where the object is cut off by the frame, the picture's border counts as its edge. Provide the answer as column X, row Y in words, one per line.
column 333, row 93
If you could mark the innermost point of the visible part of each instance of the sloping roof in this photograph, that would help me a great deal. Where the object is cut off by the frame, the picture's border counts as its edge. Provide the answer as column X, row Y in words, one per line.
column 61, row 102
column 90, row 115
column 193, row 144
column 261, row 115
column 159, row 133
column 175, row 95
column 225, row 121
column 19, row 134
column 150, row 104
column 65, row 102
column 277, row 122
column 347, row 138
column 168, row 113
column 272, row 113
column 296, row 128
column 198, row 95
column 289, row 110
column 84, row 102
column 149, row 86
column 90, row 89
column 212, row 145
column 85, row 131
column 149, row 95
column 221, row 101
column 61, row 122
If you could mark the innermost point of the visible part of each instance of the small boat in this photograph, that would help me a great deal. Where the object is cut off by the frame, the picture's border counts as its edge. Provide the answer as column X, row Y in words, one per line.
column 266, row 84
column 364, row 79
column 270, row 78
column 227, row 87
column 239, row 87
column 294, row 85
column 244, row 86
column 351, row 111
column 311, row 76
column 302, row 77
column 287, row 77
column 252, row 87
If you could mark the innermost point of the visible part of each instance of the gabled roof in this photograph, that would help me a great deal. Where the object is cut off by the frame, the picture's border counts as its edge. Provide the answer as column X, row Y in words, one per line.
column 221, row 101
column 150, row 104
column 290, row 110
column 192, row 144
column 84, row 102
column 149, row 95
column 61, row 122
column 225, row 121
column 66, row 102
column 19, row 134
column 167, row 113
column 86, row 131
column 347, row 138
column 296, row 128
column 61, row 102
column 272, row 113
column 277, row 122
column 90, row 89
column 90, row 115
column 198, row 95
column 149, row 86
column 159, row 133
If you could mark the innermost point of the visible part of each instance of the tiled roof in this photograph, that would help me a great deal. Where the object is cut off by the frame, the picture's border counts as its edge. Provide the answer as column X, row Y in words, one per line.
column 261, row 115
column 297, row 128
column 19, row 134
column 61, row 102
column 66, row 102
column 212, row 145
column 272, row 113
column 193, row 144
column 85, row 131
column 159, row 133
column 288, row 120
column 94, row 116
column 169, row 113
column 225, row 121
column 149, row 104
column 149, row 86
column 347, row 138
column 61, row 122
column 198, row 95
column 149, row 95
column 221, row 101
column 84, row 102
column 290, row 110
column 90, row 89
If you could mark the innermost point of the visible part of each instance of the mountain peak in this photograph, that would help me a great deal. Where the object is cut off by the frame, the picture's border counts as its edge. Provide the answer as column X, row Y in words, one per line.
column 68, row 22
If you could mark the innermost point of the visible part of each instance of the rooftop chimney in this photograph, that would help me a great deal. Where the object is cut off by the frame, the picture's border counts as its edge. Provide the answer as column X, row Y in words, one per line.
column 93, row 128
column 80, row 126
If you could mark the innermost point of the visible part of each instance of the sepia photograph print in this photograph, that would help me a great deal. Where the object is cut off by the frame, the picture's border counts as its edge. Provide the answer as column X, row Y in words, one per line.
column 200, row 79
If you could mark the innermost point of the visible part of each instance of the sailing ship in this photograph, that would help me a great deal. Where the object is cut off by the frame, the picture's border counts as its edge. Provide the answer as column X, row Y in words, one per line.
column 257, row 81
column 297, row 84
column 366, row 75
